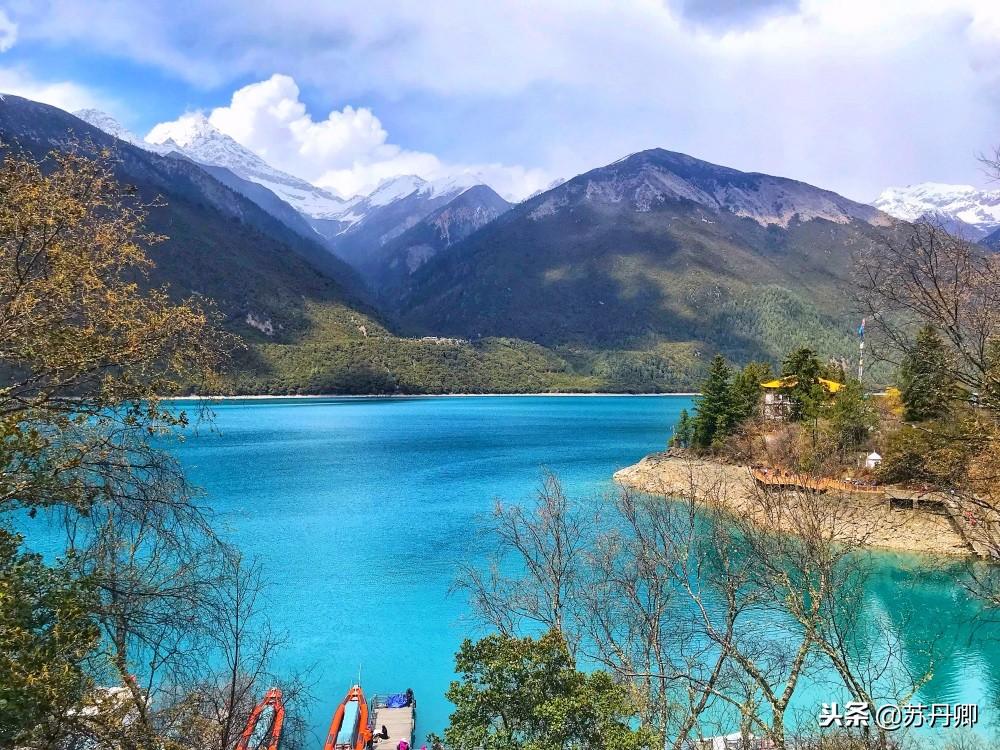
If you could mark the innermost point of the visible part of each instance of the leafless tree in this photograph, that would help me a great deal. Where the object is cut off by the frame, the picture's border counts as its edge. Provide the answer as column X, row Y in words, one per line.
column 808, row 560
column 922, row 276
column 717, row 603
column 183, row 615
column 638, row 620
column 547, row 541
column 241, row 641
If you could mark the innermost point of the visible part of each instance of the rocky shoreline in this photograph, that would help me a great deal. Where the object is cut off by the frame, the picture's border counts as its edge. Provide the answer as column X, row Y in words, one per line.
column 869, row 516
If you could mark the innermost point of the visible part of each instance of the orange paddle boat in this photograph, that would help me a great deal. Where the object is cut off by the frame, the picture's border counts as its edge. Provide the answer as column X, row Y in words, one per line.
column 349, row 728
column 263, row 730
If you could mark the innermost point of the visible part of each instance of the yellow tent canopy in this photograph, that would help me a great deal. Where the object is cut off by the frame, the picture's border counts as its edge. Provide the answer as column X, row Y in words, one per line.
column 832, row 386
column 790, row 381
column 787, row 382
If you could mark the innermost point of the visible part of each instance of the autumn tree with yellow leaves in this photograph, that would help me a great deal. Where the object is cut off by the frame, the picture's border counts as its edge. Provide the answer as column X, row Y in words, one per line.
column 89, row 350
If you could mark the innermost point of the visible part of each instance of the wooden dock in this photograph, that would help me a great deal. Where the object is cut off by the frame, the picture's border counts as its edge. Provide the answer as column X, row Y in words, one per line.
column 977, row 533
column 399, row 722
column 779, row 479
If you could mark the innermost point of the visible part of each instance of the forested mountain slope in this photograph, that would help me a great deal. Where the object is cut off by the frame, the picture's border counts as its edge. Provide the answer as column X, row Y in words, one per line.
column 656, row 250
column 303, row 312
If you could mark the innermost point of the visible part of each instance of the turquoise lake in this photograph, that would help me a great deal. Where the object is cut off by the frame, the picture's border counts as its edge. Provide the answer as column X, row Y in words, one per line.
column 363, row 509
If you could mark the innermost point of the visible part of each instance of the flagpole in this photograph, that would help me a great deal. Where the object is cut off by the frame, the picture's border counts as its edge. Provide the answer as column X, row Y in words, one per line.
column 861, row 351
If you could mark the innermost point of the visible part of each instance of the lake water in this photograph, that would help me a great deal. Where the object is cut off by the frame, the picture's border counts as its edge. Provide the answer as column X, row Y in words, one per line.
column 362, row 510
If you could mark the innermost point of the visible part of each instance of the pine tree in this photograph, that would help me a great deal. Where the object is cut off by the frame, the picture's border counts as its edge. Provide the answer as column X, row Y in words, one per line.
column 926, row 387
column 683, row 431
column 746, row 390
column 807, row 395
column 714, row 409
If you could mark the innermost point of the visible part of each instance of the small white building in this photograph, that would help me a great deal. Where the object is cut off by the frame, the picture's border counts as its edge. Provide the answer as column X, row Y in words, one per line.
column 873, row 460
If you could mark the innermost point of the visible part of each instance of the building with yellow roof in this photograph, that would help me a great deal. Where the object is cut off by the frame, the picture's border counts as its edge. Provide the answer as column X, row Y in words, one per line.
column 777, row 402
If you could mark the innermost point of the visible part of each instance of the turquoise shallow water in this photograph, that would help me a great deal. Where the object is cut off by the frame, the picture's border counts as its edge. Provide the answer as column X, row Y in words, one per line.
column 362, row 509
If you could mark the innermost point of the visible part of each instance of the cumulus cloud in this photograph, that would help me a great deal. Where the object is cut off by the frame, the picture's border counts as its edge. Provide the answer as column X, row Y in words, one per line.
column 347, row 151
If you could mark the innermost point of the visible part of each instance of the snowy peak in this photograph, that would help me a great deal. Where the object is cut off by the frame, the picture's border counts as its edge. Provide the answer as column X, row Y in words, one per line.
column 394, row 189
column 194, row 136
column 197, row 138
column 958, row 207
column 551, row 186
column 111, row 126
column 454, row 185
column 192, row 130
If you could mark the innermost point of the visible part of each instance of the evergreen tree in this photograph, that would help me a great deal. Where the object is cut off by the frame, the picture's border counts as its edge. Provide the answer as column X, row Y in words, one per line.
column 746, row 390
column 807, row 395
column 926, row 388
column 852, row 417
column 834, row 370
column 683, row 431
column 714, row 409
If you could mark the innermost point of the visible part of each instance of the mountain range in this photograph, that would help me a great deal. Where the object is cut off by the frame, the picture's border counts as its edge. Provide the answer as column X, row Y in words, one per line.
column 963, row 210
column 305, row 315
column 658, row 252
column 628, row 277
column 355, row 229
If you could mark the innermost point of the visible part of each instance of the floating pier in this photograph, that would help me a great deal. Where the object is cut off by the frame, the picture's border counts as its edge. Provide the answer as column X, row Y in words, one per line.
column 398, row 714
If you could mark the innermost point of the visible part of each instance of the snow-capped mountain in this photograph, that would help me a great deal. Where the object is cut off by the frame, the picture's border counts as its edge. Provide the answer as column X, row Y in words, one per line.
column 551, row 186
column 962, row 209
column 395, row 188
column 354, row 229
column 195, row 137
column 111, row 126
column 391, row 265
column 395, row 206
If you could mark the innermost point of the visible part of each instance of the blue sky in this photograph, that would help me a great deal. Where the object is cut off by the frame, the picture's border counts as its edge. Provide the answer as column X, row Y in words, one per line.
column 850, row 95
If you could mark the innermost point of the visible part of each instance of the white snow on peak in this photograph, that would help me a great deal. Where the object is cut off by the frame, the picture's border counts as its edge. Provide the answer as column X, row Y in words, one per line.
column 111, row 126
column 963, row 203
column 394, row 188
column 551, row 186
column 193, row 130
column 194, row 136
column 454, row 184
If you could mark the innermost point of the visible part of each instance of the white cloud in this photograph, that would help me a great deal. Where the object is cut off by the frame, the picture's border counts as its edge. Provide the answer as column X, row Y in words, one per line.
column 8, row 31
column 348, row 151
column 848, row 94
column 63, row 94
column 21, row 82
